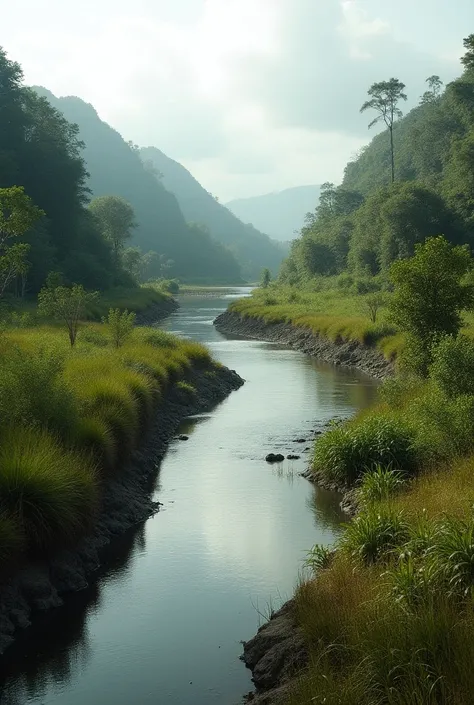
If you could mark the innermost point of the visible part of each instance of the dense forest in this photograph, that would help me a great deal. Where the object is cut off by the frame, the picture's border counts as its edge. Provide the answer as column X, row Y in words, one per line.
column 252, row 249
column 372, row 219
column 115, row 167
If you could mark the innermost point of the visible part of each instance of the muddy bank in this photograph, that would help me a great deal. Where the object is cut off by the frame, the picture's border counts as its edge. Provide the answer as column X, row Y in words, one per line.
column 344, row 353
column 126, row 501
column 156, row 312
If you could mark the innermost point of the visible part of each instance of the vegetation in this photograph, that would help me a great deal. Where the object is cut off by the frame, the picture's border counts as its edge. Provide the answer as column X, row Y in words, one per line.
column 66, row 304
column 388, row 612
column 71, row 415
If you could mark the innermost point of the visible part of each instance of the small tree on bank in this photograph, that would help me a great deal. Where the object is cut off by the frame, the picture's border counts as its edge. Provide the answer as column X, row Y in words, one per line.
column 429, row 297
column 116, row 219
column 66, row 304
column 121, row 325
column 266, row 278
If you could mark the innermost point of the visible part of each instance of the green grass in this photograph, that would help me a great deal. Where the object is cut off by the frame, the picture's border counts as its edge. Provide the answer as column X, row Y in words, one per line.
column 137, row 300
column 50, row 490
column 69, row 417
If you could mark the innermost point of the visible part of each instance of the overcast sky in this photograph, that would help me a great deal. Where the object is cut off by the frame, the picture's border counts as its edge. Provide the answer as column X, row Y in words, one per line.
column 251, row 95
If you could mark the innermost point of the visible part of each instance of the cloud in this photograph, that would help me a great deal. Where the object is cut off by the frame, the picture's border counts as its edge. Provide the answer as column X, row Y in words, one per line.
column 253, row 94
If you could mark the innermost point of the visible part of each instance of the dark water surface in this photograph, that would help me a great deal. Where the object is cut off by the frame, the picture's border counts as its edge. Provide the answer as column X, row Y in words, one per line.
column 164, row 620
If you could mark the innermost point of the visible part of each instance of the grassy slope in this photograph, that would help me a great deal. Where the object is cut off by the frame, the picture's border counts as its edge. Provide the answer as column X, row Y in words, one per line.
column 388, row 621
column 68, row 417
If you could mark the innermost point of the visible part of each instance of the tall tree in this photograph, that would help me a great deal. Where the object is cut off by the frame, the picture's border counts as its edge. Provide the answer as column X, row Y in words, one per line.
column 435, row 86
column 468, row 58
column 116, row 219
column 384, row 99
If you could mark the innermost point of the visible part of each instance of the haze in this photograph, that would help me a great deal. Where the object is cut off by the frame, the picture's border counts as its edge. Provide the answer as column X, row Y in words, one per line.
column 251, row 96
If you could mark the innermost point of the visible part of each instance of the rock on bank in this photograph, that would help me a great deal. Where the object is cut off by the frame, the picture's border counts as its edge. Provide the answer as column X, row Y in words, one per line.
column 126, row 501
column 345, row 353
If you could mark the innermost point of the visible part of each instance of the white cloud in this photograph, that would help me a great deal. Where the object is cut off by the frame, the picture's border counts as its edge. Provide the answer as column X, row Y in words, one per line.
column 252, row 94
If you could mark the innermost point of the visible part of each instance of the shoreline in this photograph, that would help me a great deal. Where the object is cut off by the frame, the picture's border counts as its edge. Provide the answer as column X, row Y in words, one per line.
column 127, row 501
column 277, row 654
column 341, row 353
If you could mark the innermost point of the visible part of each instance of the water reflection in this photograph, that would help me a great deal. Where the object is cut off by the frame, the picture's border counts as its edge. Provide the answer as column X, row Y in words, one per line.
column 163, row 622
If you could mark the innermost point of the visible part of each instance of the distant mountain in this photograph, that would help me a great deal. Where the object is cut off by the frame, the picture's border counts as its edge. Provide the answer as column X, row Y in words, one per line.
column 252, row 249
column 115, row 168
column 280, row 214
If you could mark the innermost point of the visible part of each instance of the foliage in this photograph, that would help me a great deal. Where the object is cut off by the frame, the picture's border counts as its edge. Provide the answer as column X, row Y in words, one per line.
column 50, row 491
column 18, row 215
column 265, row 278
column 379, row 484
column 453, row 365
column 67, row 304
column 384, row 99
column 120, row 325
column 319, row 558
column 347, row 452
column 374, row 534
column 116, row 220
column 430, row 294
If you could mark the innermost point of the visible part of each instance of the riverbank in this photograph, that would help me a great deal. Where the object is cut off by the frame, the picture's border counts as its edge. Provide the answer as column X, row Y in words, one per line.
column 341, row 352
column 126, row 501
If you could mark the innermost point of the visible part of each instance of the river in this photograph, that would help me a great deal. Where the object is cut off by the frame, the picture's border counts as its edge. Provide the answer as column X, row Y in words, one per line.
column 163, row 621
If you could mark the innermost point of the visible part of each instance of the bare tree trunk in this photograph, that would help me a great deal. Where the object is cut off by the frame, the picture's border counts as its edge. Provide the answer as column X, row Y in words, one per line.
column 392, row 154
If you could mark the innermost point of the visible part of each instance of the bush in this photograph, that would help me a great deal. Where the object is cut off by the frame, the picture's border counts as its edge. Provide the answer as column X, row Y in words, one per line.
column 120, row 325
column 94, row 433
column 453, row 555
column 453, row 365
column 379, row 485
column 374, row 534
column 32, row 391
column 50, row 491
column 344, row 454
column 319, row 558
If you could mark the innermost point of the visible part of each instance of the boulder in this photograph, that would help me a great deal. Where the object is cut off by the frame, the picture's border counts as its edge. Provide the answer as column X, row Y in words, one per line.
column 274, row 458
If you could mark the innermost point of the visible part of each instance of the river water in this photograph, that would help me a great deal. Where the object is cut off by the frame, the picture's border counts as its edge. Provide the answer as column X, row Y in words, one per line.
column 164, row 620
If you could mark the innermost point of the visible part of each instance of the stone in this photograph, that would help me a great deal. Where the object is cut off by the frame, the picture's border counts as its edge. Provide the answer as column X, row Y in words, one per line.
column 183, row 438
column 293, row 457
column 274, row 458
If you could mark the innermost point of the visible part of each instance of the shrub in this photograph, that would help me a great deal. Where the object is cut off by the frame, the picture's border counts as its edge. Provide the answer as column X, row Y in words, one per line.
column 120, row 324
column 51, row 491
column 94, row 433
column 157, row 338
column 319, row 557
column 374, row 534
column 379, row 484
column 453, row 365
column 344, row 454
column 33, row 392
column 453, row 554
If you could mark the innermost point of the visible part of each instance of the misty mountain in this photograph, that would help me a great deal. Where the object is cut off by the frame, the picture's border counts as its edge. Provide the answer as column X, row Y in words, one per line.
column 280, row 214
column 115, row 168
column 252, row 249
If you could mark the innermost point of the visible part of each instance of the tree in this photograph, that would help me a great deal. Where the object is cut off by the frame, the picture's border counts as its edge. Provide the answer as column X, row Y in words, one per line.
column 385, row 97
column 65, row 304
column 116, row 219
column 18, row 214
column 468, row 58
column 435, row 86
column 372, row 304
column 121, row 325
column 430, row 295
column 266, row 278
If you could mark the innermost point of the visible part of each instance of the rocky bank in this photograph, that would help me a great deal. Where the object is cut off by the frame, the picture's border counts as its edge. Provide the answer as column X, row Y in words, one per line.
column 345, row 353
column 126, row 501
column 277, row 653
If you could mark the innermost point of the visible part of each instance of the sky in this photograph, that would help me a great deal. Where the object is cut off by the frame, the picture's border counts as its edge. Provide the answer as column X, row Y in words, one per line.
column 252, row 96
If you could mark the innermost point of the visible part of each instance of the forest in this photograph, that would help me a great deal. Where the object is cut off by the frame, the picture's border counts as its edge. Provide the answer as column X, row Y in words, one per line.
column 378, row 215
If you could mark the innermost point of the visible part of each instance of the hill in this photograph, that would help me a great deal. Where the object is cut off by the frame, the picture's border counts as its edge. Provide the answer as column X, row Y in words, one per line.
column 365, row 224
column 252, row 249
column 115, row 167
column 280, row 214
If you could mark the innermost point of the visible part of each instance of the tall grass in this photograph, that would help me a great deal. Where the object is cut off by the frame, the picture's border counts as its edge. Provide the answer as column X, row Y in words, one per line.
column 49, row 490
column 70, row 417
